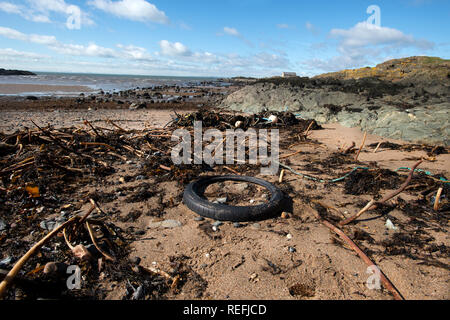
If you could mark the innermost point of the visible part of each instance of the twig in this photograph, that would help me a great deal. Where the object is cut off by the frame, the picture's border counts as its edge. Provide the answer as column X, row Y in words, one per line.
column 362, row 146
column 234, row 171
column 281, row 176
column 15, row 270
column 290, row 155
column 378, row 146
column 388, row 284
column 94, row 241
column 436, row 200
column 309, row 127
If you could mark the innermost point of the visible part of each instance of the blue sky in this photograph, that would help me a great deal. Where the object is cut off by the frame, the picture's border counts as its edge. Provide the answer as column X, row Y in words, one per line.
column 217, row 38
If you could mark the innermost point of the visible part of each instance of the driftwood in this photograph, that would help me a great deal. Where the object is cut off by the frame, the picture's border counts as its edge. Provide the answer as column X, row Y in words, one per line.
column 388, row 284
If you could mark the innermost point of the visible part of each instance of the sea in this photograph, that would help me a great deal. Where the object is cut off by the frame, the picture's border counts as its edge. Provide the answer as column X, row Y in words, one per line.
column 105, row 82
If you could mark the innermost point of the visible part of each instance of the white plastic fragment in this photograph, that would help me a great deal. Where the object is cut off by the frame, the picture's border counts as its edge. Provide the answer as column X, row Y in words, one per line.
column 390, row 225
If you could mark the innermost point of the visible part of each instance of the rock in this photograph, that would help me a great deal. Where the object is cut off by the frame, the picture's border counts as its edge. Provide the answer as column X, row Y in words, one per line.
column 221, row 200
column 135, row 260
column 238, row 225
column 217, row 223
column 256, row 226
column 49, row 225
column 292, row 249
column 2, row 225
column 167, row 224
column 285, row 215
column 138, row 294
column 289, row 236
column 199, row 218
column 4, row 263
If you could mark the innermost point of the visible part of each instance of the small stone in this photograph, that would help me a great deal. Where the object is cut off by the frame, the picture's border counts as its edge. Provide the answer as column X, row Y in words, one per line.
column 203, row 266
column 140, row 177
column 256, row 226
column 292, row 250
column 6, row 262
column 289, row 236
column 207, row 255
column 215, row 228
column 285, row 215
column 199, row 218
column 2, row 225
column 221, row 200
column 48, row 225
column 135, row 260
column 168, row 224
column 237, row 225
column 217, row 223
column 252, row 201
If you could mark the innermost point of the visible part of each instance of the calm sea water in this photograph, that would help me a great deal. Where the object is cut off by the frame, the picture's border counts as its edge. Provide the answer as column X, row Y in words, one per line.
column 102, row 81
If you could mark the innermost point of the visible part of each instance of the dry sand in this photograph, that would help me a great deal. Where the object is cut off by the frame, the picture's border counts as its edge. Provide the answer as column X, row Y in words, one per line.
column 253, row 262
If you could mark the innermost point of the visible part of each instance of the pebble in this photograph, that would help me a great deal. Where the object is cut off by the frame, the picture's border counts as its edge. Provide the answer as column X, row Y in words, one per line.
column 135, row 260
column 140, row 178
column 6, row 262
column 2, row 225
column 237, row 225
column 292, row 250
column 256, row 226
column 168, row 224
column 199, row 218
column 221, row 200
column 289, row 236
column 252, row 201
column 48, row 225
column 217, row 223
column 215, row 228
column 285, row 215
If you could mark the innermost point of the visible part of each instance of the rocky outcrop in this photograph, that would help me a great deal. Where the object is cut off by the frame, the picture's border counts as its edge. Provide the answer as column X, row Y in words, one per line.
column 410, row 111
column 4, row 72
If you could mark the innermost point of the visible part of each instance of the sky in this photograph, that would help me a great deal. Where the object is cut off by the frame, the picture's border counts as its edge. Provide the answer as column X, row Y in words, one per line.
column 220, row 38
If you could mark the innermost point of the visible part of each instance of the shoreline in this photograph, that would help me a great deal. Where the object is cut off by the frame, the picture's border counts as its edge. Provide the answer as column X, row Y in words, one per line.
column 41, row 89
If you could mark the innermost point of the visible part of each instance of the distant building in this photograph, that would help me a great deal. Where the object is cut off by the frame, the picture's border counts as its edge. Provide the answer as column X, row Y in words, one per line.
column 288, row 74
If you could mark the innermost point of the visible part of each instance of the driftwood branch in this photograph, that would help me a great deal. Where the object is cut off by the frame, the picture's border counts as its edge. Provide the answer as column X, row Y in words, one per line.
column 388, row 284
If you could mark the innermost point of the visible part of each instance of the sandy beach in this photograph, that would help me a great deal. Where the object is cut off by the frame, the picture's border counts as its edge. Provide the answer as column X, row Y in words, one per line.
column 41, row 89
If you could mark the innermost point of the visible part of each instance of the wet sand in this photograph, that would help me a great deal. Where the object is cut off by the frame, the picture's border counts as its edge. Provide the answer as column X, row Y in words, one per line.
column 41, row 88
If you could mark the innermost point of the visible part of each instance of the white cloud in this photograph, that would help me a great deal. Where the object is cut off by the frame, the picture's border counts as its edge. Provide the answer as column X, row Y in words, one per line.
column 14, row 54
column 10, row 8
column 364, row 44
column 232, row 32
column 22, row 11
column 235, row 33
column 136, row 10
column 364, row 34
column 175, row 49
column 39, row 11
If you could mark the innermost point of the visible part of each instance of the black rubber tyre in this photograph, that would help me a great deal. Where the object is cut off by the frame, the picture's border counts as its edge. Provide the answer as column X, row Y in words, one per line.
column 193, row 199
